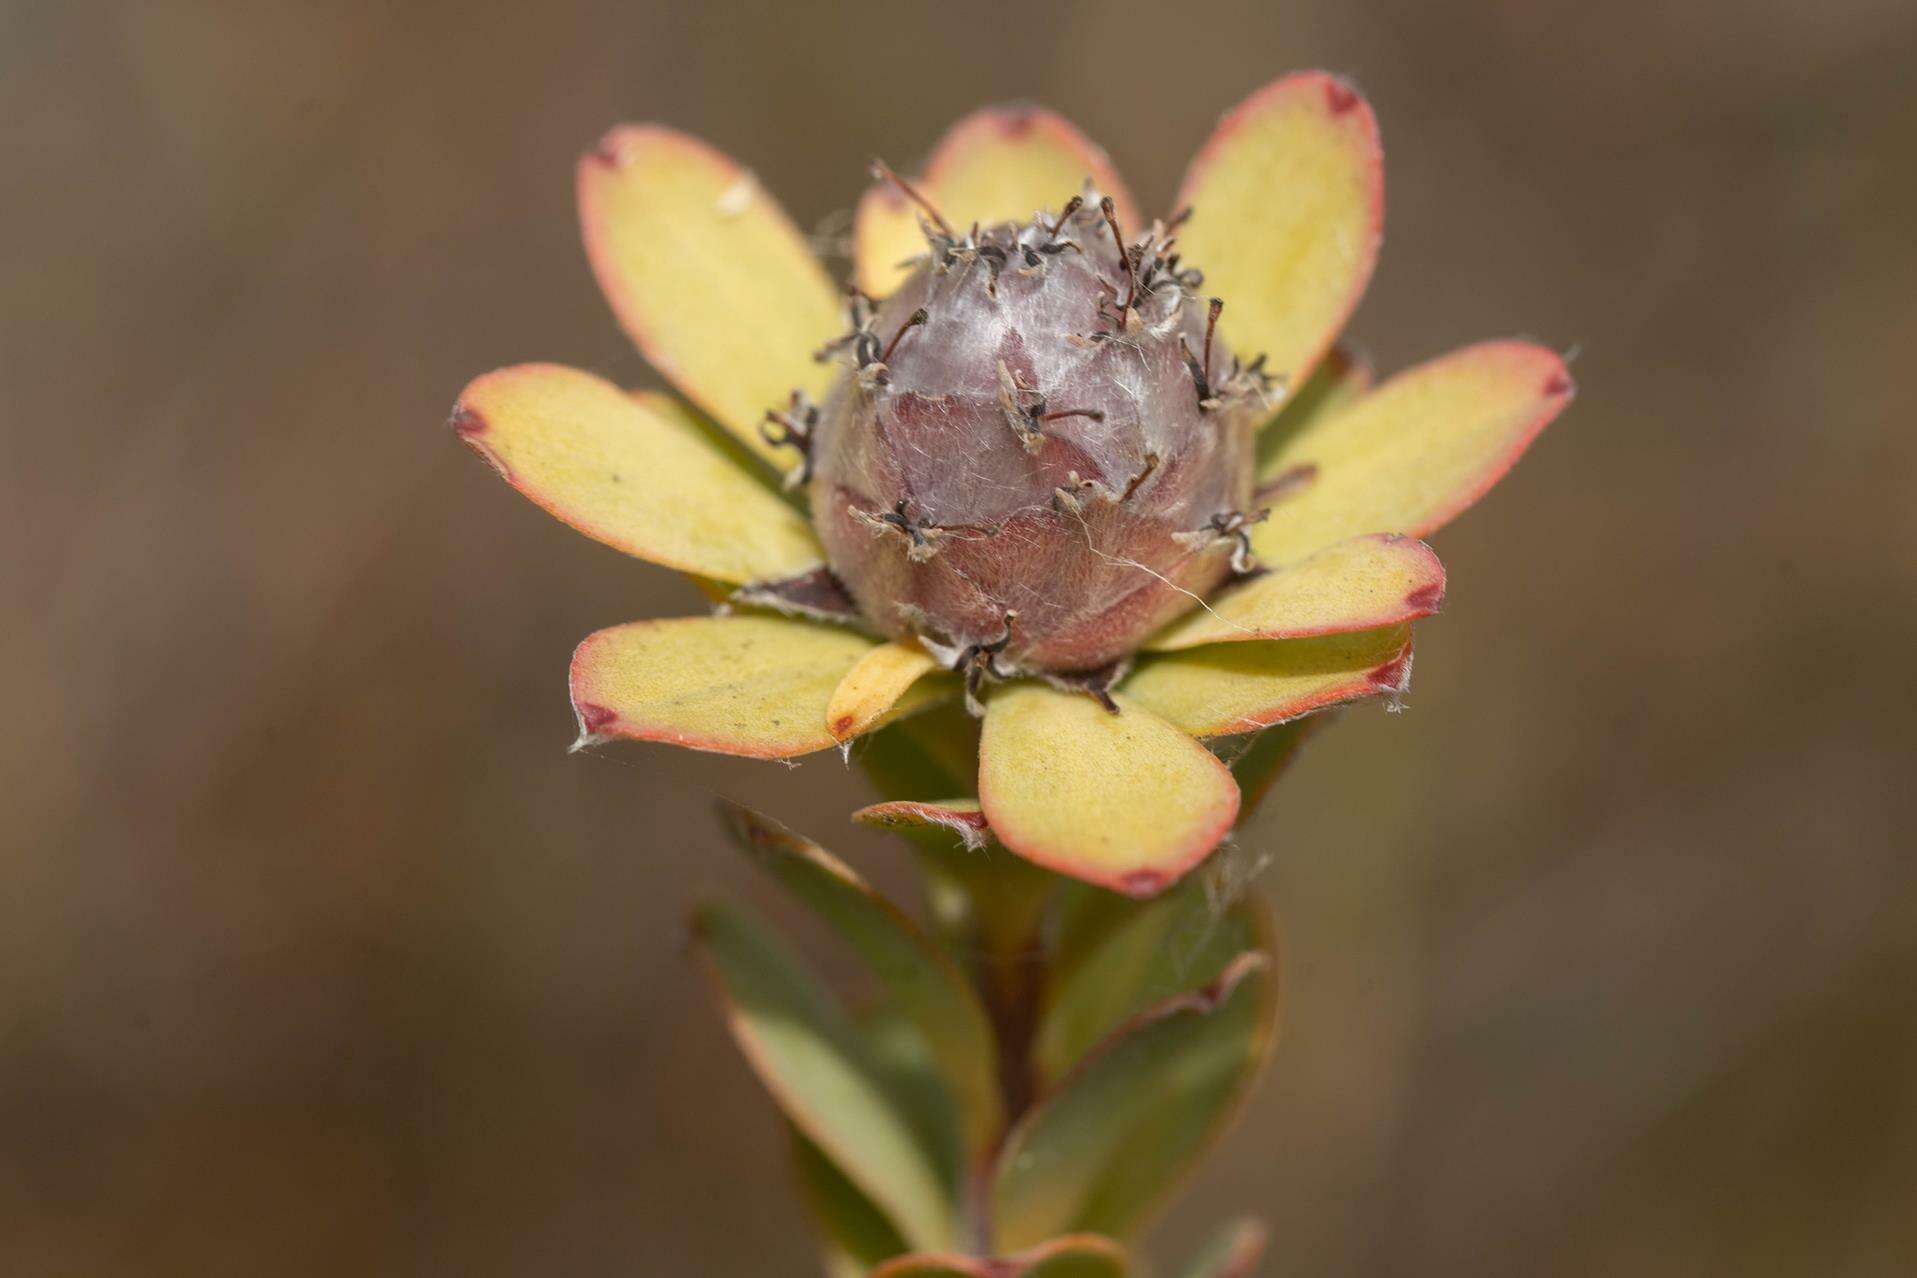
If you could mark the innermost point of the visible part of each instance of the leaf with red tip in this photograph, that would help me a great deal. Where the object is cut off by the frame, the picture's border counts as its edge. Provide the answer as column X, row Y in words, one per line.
column 708, row 275
column 922, row 983
column 634, row 471
column 997, row 164
column 960, row 816
column 806, row 1052
column 746, row 685
column 1124, row 800
column 1077, row 1256
column 1144, row 954
column 1417, row 451
column 1225, row 688
column 873, row 686
column 1365, row 583
column 1233, row 1252
column 1288, row 209
column 1106, row 1147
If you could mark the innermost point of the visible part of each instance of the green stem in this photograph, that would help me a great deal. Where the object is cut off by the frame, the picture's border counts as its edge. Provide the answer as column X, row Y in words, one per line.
column 1008, row 900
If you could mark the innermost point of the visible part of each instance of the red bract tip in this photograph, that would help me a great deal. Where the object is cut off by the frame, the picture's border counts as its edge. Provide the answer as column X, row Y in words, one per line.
column 1142, row 883
column 594, row 719
column 1395, row 674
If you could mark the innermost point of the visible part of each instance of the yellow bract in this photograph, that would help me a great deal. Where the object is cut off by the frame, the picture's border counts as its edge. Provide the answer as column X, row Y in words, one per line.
column 1288, row 200
column 1340, row 379
column 873, row 686
column 1360, row 584
column 1416, row 451
column 1236, row 687
column 635, row 472
column 747, row 685
column 708, row 276
column 1122, row 800
column 995, row 165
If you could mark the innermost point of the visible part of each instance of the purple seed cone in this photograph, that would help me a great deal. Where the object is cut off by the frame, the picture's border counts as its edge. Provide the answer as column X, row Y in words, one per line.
column 1032, row 455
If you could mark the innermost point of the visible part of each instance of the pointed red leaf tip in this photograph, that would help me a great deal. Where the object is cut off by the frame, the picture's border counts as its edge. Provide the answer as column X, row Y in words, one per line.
column 593, row 720
column 471, row 426
column 622, row 142
column 1426, row 599
column 1143, row 883
column 1340, row 95
column 466, row 423
column 1393, row 676
column 1016, row 119
column 1559, row 384
column 615, row 148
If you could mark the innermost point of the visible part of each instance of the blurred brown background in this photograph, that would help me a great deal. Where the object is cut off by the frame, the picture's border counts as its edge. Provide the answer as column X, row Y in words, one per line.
column 319, row 955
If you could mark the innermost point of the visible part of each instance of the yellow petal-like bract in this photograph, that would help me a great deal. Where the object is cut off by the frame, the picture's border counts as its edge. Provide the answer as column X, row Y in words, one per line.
column 1122, row 800
column 1364, row 583
column 748, row 685
column 1288, row 208
column 708, row 275
column 1416, row 451
column 1339, row 380
column 873, row 686
column 633, row 471
column 1238, row 687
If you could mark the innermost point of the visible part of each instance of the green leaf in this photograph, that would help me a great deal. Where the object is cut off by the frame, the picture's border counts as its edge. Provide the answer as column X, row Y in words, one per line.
column 1232, row 1252
column 855, row 1232
column 809, row 1056
column 1260, row 760
column 1115, row 1136
column 979, row 898
column 920, row 981
column 1118, row 957
column 929, row 755
column 1079, row 1256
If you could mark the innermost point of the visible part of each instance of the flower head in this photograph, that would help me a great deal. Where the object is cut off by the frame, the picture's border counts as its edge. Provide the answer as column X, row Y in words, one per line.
column 1047, row 459
column 1103, row 477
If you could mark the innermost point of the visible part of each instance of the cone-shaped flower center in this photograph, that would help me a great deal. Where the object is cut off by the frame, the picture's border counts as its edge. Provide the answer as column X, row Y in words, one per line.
column 1039, row 453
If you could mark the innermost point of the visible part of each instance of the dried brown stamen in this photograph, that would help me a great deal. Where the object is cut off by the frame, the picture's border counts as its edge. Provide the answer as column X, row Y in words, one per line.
column 979, row 661
column 922, row 536
column 1110, row 211
column 883, row 172
column 918, row 317
column 795, row 428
